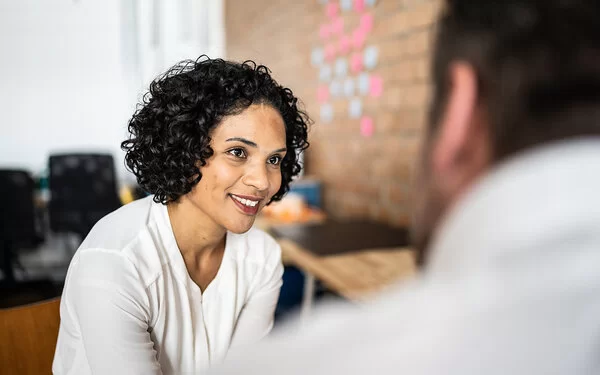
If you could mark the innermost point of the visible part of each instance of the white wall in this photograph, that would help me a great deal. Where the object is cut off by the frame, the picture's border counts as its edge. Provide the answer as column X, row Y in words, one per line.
column 61, row 82
column 71, row 71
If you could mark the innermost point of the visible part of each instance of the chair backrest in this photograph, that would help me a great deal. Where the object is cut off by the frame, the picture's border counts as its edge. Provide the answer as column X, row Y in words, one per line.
column 17, row 216
column 83, row 188
column 28, row 337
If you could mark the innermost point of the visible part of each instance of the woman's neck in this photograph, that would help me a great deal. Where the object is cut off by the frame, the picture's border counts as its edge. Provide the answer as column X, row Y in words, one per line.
column 196, row 234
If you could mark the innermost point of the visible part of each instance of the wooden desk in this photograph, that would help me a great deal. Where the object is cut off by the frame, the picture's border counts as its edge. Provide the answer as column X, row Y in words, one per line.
column 353, row 259
column 357, row 275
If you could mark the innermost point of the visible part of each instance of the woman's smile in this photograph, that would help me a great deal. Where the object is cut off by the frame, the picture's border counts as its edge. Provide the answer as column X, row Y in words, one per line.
column 249, row 205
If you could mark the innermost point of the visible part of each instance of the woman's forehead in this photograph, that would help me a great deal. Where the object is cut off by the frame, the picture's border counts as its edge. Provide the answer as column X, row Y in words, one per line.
column 259, row 122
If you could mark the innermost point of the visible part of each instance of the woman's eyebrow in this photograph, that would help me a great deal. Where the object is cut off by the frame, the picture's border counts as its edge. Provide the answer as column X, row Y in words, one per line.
column 243, row 140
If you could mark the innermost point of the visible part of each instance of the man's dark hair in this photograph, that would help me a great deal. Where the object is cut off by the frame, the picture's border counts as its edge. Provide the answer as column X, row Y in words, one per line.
column 537, row 64
column 170, row 131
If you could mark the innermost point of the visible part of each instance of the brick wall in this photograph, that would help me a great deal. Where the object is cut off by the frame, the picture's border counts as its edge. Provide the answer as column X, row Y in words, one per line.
column 362, row 177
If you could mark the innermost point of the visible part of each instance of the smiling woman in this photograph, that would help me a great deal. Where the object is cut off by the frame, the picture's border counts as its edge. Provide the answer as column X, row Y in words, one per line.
column 170, row 283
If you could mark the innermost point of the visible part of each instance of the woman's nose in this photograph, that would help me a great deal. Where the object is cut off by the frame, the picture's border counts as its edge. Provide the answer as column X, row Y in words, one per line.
column 257, row 176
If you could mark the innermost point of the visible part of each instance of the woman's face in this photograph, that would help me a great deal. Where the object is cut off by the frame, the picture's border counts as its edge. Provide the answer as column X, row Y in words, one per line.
column 244, row 171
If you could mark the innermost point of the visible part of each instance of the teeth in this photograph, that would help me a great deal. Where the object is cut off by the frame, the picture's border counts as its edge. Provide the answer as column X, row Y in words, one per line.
column 245, row 202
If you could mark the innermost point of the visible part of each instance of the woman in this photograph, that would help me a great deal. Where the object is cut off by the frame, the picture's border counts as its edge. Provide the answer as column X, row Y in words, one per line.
column 169, row 283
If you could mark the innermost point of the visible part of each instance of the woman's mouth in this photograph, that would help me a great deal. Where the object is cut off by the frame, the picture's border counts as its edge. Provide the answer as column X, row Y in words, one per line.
column 248, row 205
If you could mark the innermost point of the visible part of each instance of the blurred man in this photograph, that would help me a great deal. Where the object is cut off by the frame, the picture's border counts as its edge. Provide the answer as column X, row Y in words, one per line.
column 507, row 223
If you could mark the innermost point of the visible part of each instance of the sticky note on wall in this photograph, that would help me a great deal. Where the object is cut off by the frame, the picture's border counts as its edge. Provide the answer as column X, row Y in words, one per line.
column 366, row 22
column 330, row 52
column 344, row 44
column 364, row 83
column 349, row 87
column 325, row 73
column 358, row 38
column 323, row 94
column 317, row 56
column 335, row 88
column 371, row 57
column 356, row 63
column 367, row 127
column 332, row 9
column 326, row 113
column 346, row 5
column 359, row 5
column 376, row 86
column 355, row 108
column 337, row 26
column 341, row 67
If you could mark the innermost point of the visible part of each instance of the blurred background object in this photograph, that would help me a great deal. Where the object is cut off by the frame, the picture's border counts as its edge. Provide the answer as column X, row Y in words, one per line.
column 20, row 230
column 302, row 204
column 83, row 189
column 19, row 227
column 32, row 331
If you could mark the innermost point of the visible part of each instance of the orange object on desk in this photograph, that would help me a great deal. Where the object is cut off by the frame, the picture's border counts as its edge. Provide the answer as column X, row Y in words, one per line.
column 292, row 209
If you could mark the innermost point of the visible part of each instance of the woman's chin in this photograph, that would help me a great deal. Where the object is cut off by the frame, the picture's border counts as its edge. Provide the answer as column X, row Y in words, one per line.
column 241, row 228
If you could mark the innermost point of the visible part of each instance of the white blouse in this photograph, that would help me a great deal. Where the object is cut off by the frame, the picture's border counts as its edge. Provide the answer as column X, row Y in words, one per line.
column 129, row 305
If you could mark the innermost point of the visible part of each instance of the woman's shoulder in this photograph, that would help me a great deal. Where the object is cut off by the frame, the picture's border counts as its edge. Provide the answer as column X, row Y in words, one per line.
column 121, row 226
column 123, row 240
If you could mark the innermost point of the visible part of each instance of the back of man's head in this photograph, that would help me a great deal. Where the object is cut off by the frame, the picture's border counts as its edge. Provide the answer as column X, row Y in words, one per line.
column 537, row 64
column 508, row 75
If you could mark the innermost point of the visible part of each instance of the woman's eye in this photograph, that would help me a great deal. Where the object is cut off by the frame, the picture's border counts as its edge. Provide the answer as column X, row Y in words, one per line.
column 275, row 160
column 237, row 152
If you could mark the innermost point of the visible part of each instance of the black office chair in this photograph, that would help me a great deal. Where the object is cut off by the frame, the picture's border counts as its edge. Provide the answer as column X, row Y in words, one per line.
column 83, row 189
column 18, row 227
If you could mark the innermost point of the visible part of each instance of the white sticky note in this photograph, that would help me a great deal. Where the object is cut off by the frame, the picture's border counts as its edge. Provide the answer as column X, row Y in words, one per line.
column 325, row 73
column 317, row 56
column 341, row 67
column 346, row 5
column 349, row 87
column 364, row 83
column 326, row 113
column 370, row 3
column 355, row 108
column 335, row 88
column 370, row 57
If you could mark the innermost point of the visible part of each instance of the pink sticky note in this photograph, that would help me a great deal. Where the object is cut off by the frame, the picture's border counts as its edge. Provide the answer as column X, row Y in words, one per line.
column 324, row 31
column 330, row 52
column 356, row 62
column 359, row 5
column 323, row 94
column 367, row 127
column 376, row 86
column 345, row 44
column 337, row 26
column 366, row 22
column 333, row 9
column 358, row 38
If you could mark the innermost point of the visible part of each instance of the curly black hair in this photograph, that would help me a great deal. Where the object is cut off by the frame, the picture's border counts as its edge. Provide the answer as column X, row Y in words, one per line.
column 170, row 130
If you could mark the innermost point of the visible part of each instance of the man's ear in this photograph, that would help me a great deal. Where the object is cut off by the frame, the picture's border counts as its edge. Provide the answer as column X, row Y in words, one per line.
column 458, row 118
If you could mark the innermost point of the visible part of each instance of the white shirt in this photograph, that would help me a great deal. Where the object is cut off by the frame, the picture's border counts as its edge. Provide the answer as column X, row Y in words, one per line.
column 513, row 287
column 129, row 305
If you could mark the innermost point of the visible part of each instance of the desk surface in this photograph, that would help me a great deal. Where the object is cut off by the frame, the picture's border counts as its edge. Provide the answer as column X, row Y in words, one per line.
column 354, row 259
column 355, row 275
column 337, row 237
